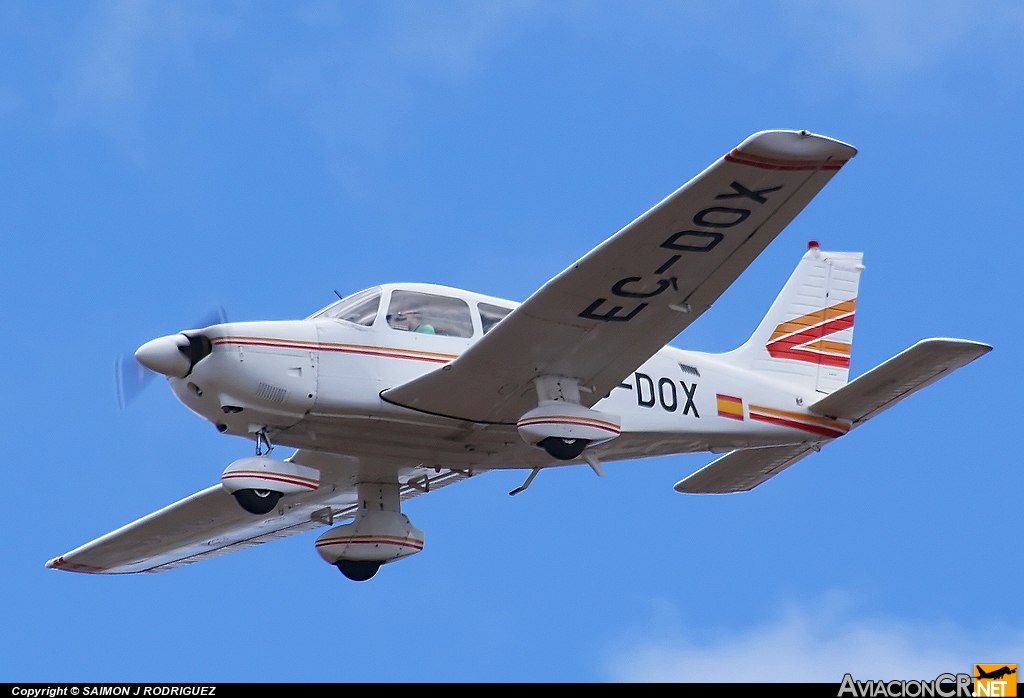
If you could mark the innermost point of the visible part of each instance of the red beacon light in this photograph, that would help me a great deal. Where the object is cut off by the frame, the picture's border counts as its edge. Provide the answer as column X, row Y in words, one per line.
column 812, row 244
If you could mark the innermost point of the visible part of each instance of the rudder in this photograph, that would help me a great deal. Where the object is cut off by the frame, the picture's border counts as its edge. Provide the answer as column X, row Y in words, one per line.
column 807, row 334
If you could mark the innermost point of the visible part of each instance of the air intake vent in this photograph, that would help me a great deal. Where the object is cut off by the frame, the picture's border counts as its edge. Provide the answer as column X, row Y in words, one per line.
column 270, row 393
column 689, row 369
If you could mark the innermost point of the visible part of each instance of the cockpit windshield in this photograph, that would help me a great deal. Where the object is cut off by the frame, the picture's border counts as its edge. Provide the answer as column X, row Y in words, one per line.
column 426, row 313
column 359, row 308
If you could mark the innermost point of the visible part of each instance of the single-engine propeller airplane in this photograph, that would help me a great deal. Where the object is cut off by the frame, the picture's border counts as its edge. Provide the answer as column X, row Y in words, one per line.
column 401, row 389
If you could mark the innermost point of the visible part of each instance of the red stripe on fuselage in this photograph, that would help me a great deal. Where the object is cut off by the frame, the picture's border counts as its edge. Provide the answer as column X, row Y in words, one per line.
column 813, row 428
column 364, row 350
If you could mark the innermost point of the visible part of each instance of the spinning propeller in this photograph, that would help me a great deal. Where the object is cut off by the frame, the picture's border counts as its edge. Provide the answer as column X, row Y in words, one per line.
column 131, row 377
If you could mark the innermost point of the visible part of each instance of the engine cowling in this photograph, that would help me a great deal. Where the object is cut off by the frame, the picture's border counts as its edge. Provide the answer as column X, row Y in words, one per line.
column 375, row 536
column 555, row 419
column 264, row 473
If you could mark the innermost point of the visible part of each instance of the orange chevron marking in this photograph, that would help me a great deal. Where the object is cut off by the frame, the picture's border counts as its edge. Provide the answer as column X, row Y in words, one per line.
column 831, row 347
column 811, row 319
column 802, row 338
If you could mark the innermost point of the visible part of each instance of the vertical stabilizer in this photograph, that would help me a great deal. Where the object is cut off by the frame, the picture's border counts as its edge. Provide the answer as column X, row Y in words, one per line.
column 807, row 334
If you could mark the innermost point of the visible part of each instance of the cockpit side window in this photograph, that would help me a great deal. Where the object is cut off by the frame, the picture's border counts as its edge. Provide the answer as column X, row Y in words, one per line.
column 359, row 308
column 426, row 313
column 490, row 315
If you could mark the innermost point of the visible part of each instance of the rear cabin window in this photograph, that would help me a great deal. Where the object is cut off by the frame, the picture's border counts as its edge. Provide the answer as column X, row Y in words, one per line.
column 359, row 308
column 490, row 315
column 426, row 313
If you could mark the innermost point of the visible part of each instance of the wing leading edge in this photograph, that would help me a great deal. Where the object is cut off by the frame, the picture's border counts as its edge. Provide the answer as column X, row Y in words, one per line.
column 624, row 300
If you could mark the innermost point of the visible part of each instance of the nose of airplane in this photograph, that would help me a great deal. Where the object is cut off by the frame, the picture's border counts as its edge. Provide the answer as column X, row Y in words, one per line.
column 167, row 355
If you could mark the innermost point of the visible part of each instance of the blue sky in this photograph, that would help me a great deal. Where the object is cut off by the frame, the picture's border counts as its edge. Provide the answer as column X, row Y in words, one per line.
column 158, row 160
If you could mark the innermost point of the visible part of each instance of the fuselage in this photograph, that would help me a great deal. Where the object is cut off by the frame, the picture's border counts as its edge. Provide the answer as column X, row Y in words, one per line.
column 316, row 384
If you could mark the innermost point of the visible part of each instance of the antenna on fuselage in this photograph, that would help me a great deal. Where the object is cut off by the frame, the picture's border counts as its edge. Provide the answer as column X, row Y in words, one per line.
column 340, row 297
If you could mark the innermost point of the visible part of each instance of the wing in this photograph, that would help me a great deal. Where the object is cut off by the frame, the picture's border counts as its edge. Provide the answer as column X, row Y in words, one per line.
column 739, row 471
column 210, row 523
column 899, row 377
column 614, row 308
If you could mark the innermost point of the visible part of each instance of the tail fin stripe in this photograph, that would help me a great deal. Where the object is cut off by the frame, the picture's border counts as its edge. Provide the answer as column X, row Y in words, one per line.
column 806, row 337
column 814, row 318
column 796, row 346
column 830, row 347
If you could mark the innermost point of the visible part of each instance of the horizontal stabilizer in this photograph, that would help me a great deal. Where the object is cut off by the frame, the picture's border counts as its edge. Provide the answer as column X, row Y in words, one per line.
column 743, row 470
column 902, row 375
column 877, row 390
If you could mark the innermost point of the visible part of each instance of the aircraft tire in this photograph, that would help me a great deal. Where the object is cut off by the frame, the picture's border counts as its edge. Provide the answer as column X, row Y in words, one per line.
column 257, row 501
column 358, row 570
column 563, row 449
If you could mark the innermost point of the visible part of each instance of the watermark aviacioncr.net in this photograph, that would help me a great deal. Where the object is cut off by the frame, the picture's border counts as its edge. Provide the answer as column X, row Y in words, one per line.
column 989, row 680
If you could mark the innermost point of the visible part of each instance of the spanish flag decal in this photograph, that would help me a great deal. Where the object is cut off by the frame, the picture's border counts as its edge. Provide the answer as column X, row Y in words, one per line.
column 729, row 406
column 804, row 338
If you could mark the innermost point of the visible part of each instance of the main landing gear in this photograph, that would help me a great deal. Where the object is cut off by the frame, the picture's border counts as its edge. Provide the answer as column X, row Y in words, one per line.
column 563, row 449
column 358, row 570
column 257, row 501
column 380, row 533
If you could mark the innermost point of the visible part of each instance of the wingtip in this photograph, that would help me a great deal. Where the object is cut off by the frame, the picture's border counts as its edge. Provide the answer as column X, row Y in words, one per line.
column 54, row 563
column 977, row 348
column 682, row 487
column 801, row 146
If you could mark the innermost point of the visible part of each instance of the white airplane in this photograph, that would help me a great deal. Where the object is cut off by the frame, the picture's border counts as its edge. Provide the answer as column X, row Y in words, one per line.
column 402, row 389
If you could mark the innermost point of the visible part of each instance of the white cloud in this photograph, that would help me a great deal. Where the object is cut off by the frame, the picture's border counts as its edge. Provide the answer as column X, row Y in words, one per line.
column 818, row 643
column 890, row 38
column 118, row 54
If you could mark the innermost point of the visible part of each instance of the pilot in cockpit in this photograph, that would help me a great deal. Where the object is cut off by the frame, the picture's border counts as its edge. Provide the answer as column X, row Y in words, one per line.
column 411, row 321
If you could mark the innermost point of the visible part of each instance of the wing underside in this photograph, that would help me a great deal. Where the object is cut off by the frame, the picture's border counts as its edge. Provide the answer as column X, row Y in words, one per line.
column 743, row 470
column 210, row 523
